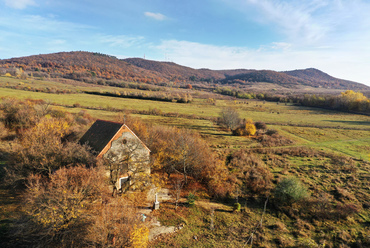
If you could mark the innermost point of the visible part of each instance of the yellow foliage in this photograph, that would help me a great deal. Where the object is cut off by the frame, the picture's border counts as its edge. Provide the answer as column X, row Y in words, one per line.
column 8, row 74
column 250, row 127
column 353, row 96
column 52, row 126
column 140, row 237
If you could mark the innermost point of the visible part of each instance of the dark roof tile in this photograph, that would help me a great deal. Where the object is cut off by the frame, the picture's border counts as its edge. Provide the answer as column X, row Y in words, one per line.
column 99, row 134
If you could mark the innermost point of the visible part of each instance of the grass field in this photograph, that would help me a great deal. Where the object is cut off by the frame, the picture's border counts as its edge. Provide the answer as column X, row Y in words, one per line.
column 341, row 132
column 326, row 174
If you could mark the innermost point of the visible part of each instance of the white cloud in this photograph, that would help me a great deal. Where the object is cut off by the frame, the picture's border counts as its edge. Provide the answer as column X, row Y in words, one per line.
column 122, row 41
column 347, row 64
column 57, row 42
column 309, row 21
column 156, row 16
column 19, row 4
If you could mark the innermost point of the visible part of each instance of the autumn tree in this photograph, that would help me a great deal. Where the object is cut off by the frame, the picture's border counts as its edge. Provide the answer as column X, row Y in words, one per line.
column 41, row 151
column 229, row 117
column 18, row 116
column 140, row 236
column 250, row 128
column 247, row 128
column 57, row 207
column 179, row 151
column 21, row 115
column 219, row 181
column 177, row 185
column 350, row 100
column 115, row 224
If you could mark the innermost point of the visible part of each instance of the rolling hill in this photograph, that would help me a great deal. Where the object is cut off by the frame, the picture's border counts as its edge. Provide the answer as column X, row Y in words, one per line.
column 96, row 67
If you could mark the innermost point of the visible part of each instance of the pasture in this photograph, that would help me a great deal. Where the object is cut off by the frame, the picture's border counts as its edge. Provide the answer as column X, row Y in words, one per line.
column 327, row 150
column 340, row 132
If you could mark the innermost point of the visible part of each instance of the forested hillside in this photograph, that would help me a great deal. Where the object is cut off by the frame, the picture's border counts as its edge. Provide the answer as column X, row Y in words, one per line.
column 97, row 68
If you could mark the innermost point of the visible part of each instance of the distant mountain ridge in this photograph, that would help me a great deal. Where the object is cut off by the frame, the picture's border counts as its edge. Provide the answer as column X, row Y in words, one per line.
column 96, row 66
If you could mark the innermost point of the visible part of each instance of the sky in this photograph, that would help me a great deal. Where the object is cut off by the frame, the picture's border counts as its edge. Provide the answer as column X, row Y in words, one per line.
column 330, row 35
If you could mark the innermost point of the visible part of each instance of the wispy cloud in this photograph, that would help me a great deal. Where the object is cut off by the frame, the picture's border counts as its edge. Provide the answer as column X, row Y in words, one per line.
column 156, row 16
column 19, row 4
column 346, row 64
column 309, row 21
column 297, row 19
column 122, row 41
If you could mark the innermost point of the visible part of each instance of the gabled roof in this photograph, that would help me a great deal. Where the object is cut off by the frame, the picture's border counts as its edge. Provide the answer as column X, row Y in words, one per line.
column 100, row 134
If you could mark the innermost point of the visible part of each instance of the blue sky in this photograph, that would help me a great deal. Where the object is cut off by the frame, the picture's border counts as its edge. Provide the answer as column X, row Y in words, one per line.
column 330, row 35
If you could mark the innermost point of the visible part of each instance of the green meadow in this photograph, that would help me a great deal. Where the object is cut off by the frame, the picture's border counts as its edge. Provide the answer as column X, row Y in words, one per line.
column 345, row 133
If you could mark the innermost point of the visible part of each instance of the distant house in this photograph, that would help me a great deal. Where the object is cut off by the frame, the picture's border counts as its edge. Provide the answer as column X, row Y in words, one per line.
column 124, row 152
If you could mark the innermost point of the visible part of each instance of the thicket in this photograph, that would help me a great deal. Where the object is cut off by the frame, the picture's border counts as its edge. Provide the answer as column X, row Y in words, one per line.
column 166, row 97
column 66, row 202
column 346, row 101
column 253, row 176
column 229, row 118
column 184, row 152
column 238, row 93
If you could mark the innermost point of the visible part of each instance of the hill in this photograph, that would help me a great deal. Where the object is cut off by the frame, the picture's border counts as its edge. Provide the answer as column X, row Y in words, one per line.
column 171, row 70
column 322, row 79
column 81, row 66
column 97, row 68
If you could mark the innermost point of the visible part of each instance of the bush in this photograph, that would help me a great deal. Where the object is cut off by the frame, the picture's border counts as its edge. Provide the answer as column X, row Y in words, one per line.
column 245, row 129
column 41, row 151
column 260, row 125
column 250, row 128
column 289, row 191
column 190, row 199
column 236, row 207
column 253, row 174
column 57, row 208
column 273, row 140
column 271, row 132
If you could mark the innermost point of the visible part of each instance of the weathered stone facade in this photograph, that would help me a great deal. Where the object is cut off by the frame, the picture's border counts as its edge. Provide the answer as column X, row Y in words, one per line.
column 126, row 155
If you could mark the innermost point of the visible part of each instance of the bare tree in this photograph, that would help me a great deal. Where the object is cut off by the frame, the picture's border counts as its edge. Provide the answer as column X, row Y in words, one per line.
column 177, row 186
column 186, row 155
column 229, row 118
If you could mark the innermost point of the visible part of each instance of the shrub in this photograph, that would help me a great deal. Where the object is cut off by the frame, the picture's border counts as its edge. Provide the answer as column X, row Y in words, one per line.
column 57, row 208
column 260, row 125
column 289, row 191
column 250, row 128
column 236, row 207
column 345, row 210
column 273, row 140
column 247, row 128
column 41, row 151
column 190, row 199
column 255, row 176
column 271, row 132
